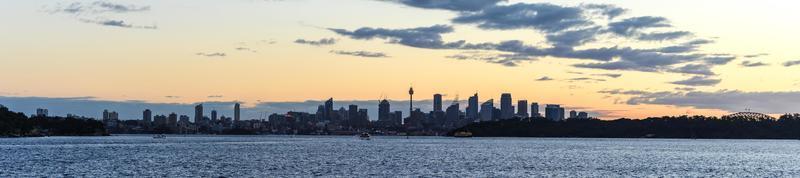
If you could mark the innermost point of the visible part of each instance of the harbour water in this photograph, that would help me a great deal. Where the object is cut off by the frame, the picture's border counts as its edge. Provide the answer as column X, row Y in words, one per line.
column 348, row 156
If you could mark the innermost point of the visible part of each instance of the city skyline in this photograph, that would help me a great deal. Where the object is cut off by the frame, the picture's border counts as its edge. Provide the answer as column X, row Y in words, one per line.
column 270, row 58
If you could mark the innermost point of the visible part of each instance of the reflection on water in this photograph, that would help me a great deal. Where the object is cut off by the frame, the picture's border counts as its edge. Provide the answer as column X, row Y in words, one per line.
column 282, row 156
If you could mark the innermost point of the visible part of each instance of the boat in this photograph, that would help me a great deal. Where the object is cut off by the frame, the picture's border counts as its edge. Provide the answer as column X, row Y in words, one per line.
column 159, row 136
column 364, row 136
column 462, row 134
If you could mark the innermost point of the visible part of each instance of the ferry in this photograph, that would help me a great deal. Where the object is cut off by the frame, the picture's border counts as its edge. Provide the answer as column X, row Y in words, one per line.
column 364, row 136
column 462, row 134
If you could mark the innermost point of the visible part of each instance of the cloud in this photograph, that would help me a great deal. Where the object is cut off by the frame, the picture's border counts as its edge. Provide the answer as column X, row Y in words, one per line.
column 728, row 100
column 545, row 78
column 755, row 55
column 752, row 64
column 574, row 37
column 98, row 7
column 509, row 60
column 661, row 36
column 719, row 59
column 700, row 69
column 117, row 23
column 245, row 49
column 421, row 37
column 456, row 5
column 632, row 26
column 321, row 42
column 215, row 96
column 171, row 96
column 362, row 54
column 540, row 16
column 607, row 10
column 698, row 81
column 216, row 54
column 608, row 75
column 791, row 63
column 586, row 79
column 685, row 88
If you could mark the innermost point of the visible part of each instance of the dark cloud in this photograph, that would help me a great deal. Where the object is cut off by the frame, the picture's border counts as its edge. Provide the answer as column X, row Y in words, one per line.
column 685, row 88
column 698, row 81
column 607, row 10
column 99, row 7
column 755, row 55
column 455, row 5
column 608, row 75
column 117, row 23
column 661, row 36
column 632, row 26
column 422, row 37
column 752, row 64
column 545, row 78
column 510, row 60
column 791, row 63
column 728, row 100
column 362, row 54
column 573, row 37
column 624, row 92
column 719, row 59
column 700, row 69
column 217, row 54
column 321, row 42
column 586, row 79
column 544, row 17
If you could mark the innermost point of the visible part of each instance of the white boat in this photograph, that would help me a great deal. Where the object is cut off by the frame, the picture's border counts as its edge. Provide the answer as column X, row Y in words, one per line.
column 159, row 136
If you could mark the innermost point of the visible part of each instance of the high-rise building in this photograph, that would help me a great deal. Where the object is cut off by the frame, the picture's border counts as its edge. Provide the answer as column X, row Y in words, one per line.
column 328, row 112
column 198, row 113
column 535, row 110
column 472, row 107
column 437, row 103
column 214, row 115
column 506, row 108
column 583, row 115
column 105, row 114
column 147, row 116
column 40, row 112
column 554, row 112
column 352, row 112
column 453, row 113
column 384, row 111
column 522, row 108
column 172, row 120
column 487, row 110
column 236, row 112
column 573, row 114
column 410, row 103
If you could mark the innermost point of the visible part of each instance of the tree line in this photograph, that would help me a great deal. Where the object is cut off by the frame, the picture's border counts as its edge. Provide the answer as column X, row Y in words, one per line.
column 17, row 124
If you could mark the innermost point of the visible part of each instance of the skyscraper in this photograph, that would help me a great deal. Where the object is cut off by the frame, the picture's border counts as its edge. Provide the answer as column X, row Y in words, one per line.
column 573, row 114
column 352, row 112
column 147, row 116
column 328, row 113
column 506, row 109
column 554, row 112
column 453, row 113
column 535, row 110
column 198, row 113
column 236, row 113
column 214, row 115
column 437, row 103
column 40, row 112
column 472, row 107
column 487, row 110
column 384, row 110
column 522, row 108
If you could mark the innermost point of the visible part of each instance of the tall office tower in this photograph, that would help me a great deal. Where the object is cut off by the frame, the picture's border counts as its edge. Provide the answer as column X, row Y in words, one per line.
column 236, row 112
column 147, row 116
column 41, row 112
column 472, row 107
column 535, row 110
column 437, row 103
column 583, row 115
column 573, row 114
column 522, row 108
column 352, row 112
column 214, row 115
column 328, row 113
column 398, row 118
column 487, row 110
column 452, row 114
column 198, row 113
column 554, row 112
column 506, row 109
column 105, row 114
column 173, row 119
column 384, row 112
column 410, row 103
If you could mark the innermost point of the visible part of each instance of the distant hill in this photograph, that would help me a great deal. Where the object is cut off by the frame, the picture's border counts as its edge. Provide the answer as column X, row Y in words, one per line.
column 16, row 124
column 786, row 127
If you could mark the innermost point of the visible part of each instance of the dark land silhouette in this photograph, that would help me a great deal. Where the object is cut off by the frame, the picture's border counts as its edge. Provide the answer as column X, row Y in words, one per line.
column 16, row 124
column 702, row 127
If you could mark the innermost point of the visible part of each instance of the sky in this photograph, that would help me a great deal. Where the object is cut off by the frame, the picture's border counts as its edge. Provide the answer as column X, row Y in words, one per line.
column 613, row 59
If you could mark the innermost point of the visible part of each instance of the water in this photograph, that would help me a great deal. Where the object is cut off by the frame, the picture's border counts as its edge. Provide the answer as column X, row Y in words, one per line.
column 286, row 156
